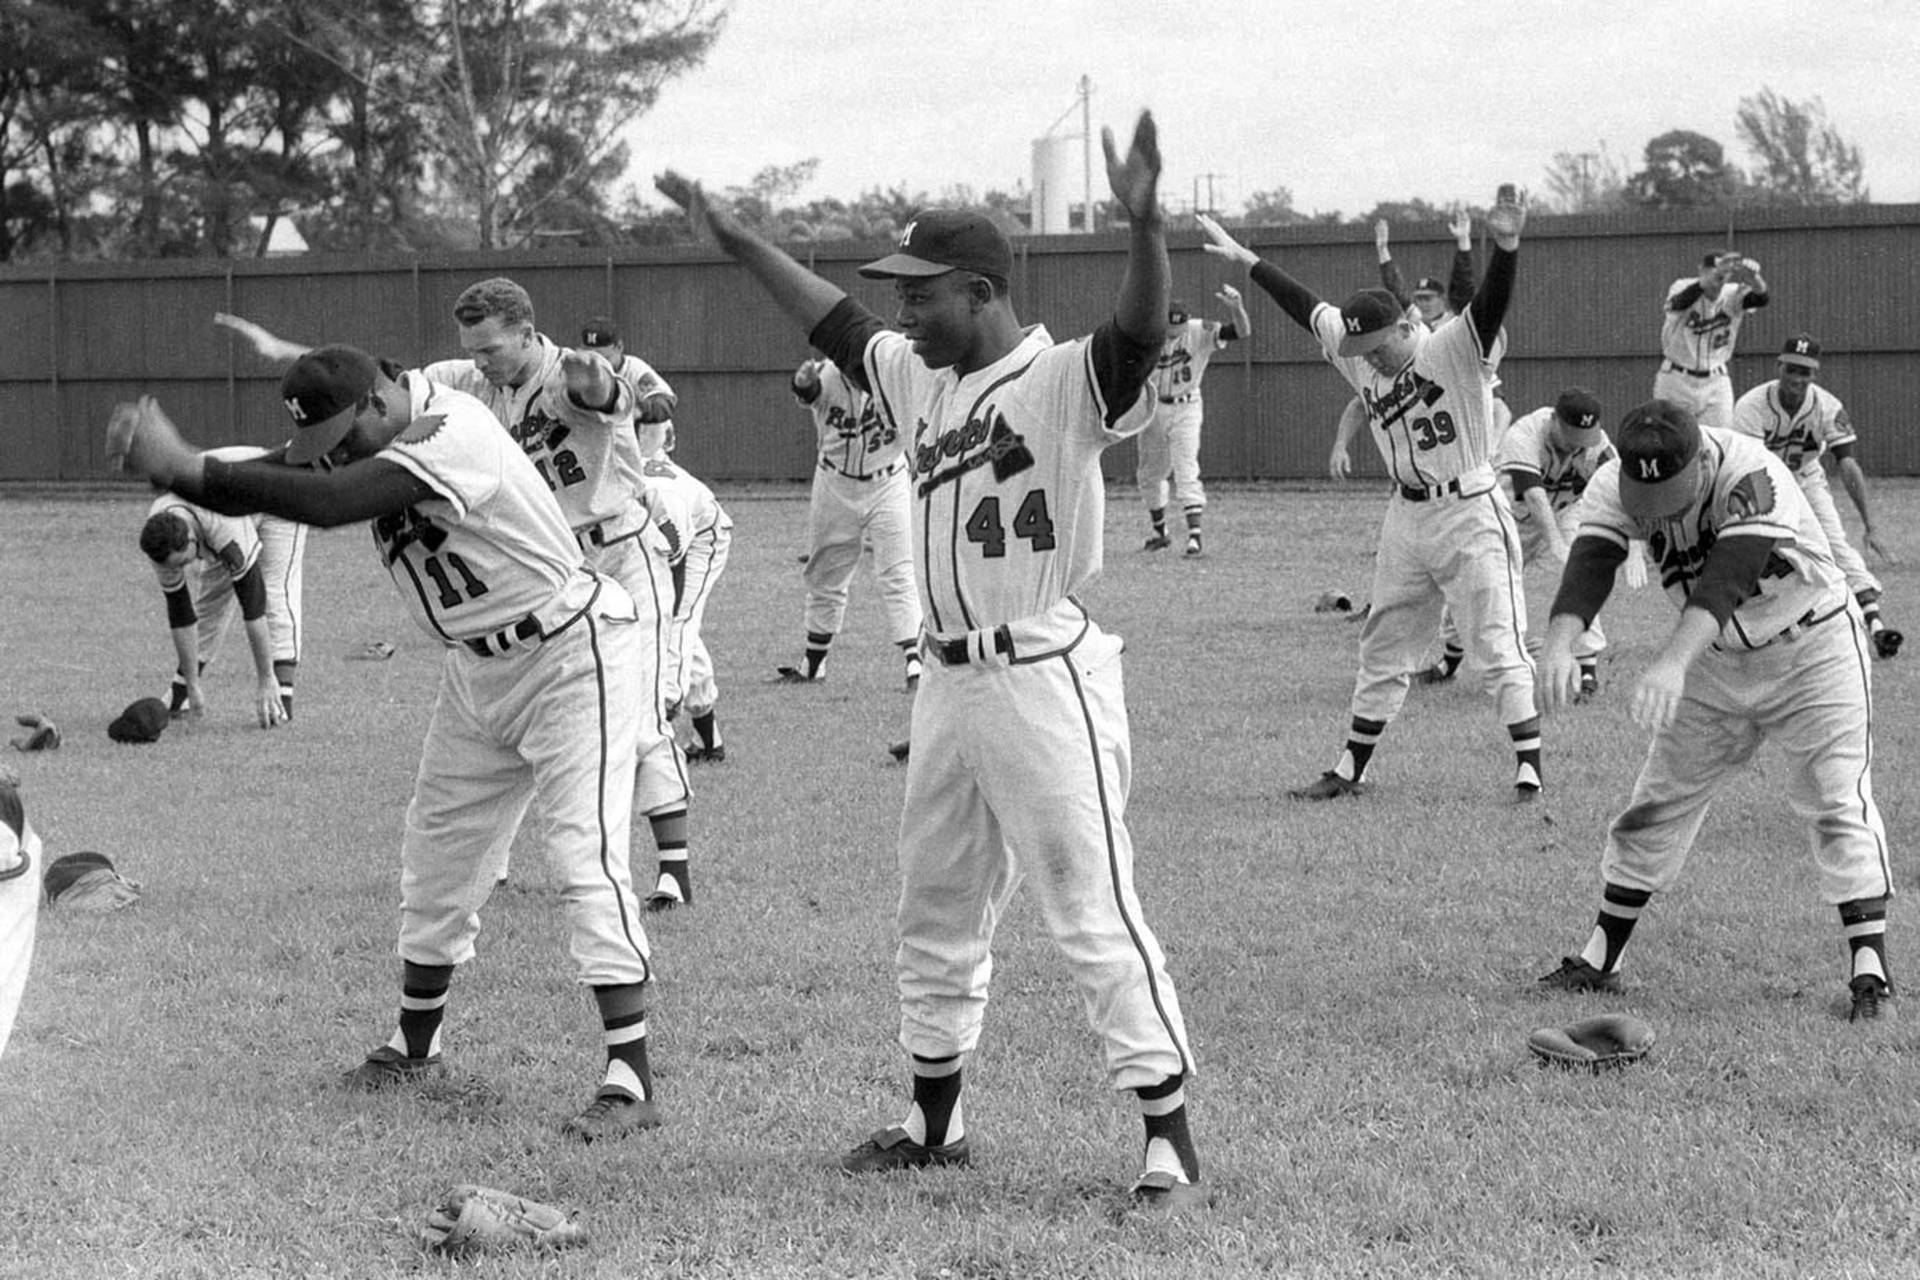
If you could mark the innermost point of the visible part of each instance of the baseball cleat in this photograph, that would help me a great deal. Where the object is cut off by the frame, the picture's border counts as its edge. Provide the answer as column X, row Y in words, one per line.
column 1158, row 542
column 388, row 1068
column 1575, row 974
column 613, row 1113
column 715, row 754
column 1193, row 544
column 1159, row 1192
column 1438, row 673
column 1872, row 999
column 1589, row 685
column 899, row 750
column 890, row 1149
column 794, row 675
column 1329, row 786
column 662, row 900
column 1526, row 784
column 1887, row 642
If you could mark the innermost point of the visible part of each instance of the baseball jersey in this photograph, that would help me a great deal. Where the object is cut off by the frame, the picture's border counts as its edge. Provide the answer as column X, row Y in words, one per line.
column 232, row 542
column 1529, row 453
column 642, row 379
column 853, row 438
column 1433, row 420
column 681, row 506
column 590, row 460
column 1797, row 438
column 1009, row 506
column 1747, row 493
column 1700, row 336
column 1184, row 359
column 491, row 546
column 20, row 871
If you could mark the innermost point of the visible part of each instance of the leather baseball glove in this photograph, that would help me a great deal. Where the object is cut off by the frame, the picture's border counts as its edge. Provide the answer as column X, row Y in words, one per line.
column 474, row 1220
column 42, row 734
column 1607, row 1040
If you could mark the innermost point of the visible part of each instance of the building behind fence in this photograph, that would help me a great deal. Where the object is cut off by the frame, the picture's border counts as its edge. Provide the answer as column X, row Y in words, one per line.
column 80, row 337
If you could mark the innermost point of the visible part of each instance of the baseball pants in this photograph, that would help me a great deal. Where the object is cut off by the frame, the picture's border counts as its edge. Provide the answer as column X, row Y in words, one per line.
column 283, row 557
column 1020, row 772
column 1812, row 697
column 1710, row 398
column 557, row 720
column 1534, row 549
column 640, row 564
column 1462, row 553
column 1845, row 554
column 844, row 514
column 20, row 870
column 690, row 666
column 1170, row 444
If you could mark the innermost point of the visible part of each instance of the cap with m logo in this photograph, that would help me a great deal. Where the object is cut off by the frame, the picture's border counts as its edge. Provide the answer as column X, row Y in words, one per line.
column 936, row 241
column 1659, row 446
column 1802, row 349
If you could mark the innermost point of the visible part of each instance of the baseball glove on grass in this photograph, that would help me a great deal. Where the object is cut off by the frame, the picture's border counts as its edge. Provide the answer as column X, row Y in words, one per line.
column 474, row 1220
column 1608, row 1040
column 43, row 735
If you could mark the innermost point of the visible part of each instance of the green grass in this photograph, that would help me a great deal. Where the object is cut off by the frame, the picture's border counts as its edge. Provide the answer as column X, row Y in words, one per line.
column 1357, row 976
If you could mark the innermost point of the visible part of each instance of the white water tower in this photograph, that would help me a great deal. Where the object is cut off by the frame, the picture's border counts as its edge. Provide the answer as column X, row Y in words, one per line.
column 1056, row 184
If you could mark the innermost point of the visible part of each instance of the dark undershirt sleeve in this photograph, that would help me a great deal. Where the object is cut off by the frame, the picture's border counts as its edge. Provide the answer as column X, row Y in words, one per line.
column 1391, row 281
column 1489, row 306
column 1460, row 280
column 1755, row 301
column 1588, row 578
column 1120, row 367
column 250, row 589
column 1686, row 297
column 1522, row 481
column 1294, row 298
column 1730, row 575
column 357, row 492
column 842, row 336
column 1228, row 333
column 1841, row 452
column 180, row 609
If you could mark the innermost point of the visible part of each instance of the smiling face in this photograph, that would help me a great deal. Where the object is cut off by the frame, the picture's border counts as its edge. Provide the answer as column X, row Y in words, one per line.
column 1795, row 378
column 941, row 314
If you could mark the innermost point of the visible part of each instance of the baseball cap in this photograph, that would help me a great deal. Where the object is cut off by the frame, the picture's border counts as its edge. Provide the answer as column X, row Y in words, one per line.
column 599, row 332
column 1659, row 444
column 321, row 392
column 1429, row 285
column 937, row 241
column 1801, row 349
column 1369, row 318
column 1578, row 410
column 1178, row 310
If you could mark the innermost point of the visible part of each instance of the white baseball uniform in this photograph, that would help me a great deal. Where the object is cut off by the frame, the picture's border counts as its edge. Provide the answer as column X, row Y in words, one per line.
column 1449, row 535
column 1799, row 439
column 1792, row 665
column 700, row 533
column 1021, row 758
column 859, row 499
column 1529, row 457
column 283, row 555
column 644, row 380
column 1697, row 333
column 592, row 462
column 1170, row 443
column 20, row 871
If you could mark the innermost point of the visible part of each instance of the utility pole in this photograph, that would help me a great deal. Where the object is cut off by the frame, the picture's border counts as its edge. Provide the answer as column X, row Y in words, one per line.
column 1086, row 151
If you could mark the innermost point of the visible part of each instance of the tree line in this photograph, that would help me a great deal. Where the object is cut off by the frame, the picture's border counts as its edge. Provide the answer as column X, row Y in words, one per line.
column 190, row 128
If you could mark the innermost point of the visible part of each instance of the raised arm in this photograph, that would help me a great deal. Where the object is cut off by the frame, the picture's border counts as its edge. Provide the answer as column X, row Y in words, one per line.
column 1460, row 278
column 1141, row 312
column 268, row 345
column 1390, row 277
column 805, row 297
column 1294, row 298
column 1489, row 305
column 1239, row 325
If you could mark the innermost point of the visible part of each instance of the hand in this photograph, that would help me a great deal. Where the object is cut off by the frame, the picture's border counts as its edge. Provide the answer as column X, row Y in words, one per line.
column 1879, row 548
column 1656, row 698
column 1135, row 178
column 1507, row 217
column 807, row 375
column 1461, row 224
column 702, row 215
column 268, row 707
column 1380, row 234
column 1339, row 465
column 1223, row 245
column 1558, row 679
column 1636, row 568
column 589, row 377
column 1229, row 295
column 141, row 439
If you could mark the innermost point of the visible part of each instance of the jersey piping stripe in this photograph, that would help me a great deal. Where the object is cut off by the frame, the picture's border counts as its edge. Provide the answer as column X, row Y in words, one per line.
column 1856, row 630
column 426, row 601
column 600, row 797
column 298, row 543
column 1115, row 881
column 953, row 534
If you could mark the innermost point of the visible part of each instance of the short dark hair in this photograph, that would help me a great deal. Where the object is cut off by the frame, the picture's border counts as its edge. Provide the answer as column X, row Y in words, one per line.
column 164, row 534
column 496, row 297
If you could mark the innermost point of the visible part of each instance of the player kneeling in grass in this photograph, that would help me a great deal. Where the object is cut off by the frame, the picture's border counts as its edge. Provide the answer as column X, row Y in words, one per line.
column 1770, row 645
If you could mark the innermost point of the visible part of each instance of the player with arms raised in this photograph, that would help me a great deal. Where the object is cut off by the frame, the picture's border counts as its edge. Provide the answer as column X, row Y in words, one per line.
column 1020, row 760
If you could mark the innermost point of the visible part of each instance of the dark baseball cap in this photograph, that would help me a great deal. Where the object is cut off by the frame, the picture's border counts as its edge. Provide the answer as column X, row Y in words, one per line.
column 1369, row 318
column 1428, row 285
column 937, row 241
column 1801, row 349
column 1578, row 410
column 1659, row 444
column 321, row 391
column 599, row 332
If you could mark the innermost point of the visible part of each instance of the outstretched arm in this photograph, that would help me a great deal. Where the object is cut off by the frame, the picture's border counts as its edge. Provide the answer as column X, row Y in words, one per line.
column 1134, row 178
column 271, row 346
column 1489, row 306
column 1460, row 278
column 1390, row 278
column 1294, row 298
column 805, row 297
column 1352, row 418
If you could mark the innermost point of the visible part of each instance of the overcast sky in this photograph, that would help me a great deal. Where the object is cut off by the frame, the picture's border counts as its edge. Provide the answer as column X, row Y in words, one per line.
column 1344, row 104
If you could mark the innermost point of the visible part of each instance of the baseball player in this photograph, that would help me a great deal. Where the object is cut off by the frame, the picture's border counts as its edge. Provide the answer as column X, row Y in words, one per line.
column 1020, row 747
column 20, row 871
column 859, row 499
column 1431, row 302
column 537, row 693
column 1171, row 441
column 1701, row 321
column 701, row 534
column 1799, row 422
column 196, row 552
column 1769, row 645
column 1449, row 536
column 653, row 399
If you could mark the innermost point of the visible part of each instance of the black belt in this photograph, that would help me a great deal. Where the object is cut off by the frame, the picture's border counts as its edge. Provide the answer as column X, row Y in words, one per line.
column 507, row 638
column 1176, row 399
column 1807, row 622
column 957, row 653
column 1419, row 493
column 597, row 535
column 1671, row 367
column 881, row 474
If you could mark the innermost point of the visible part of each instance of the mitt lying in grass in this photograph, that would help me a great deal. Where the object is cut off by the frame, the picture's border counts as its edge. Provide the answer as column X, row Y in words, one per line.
column 476, row 1220
column 1608, row 1040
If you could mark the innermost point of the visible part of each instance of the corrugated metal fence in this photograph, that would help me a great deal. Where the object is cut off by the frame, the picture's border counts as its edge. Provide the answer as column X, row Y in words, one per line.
column 80, row 337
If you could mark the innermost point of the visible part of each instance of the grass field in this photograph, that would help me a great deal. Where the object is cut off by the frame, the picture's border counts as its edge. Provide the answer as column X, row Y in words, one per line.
column 1358, row 977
